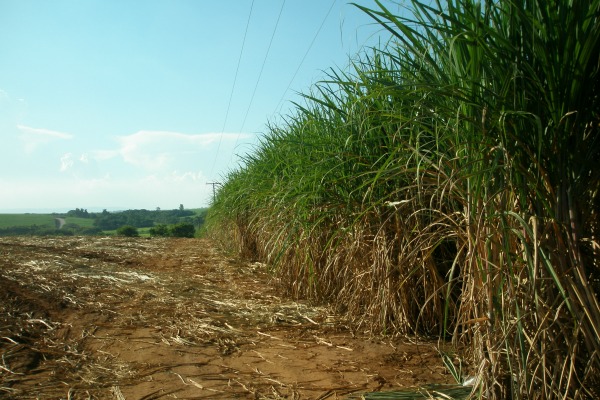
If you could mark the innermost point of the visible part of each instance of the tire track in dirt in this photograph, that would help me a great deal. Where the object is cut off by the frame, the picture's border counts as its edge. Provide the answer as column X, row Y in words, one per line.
column 113, row 318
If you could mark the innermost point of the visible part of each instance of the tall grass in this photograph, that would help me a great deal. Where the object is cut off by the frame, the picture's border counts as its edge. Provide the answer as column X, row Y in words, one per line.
column 447, row 186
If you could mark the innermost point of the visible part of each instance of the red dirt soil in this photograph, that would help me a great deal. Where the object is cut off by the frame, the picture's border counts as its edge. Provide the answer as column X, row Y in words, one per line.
column 117, row 318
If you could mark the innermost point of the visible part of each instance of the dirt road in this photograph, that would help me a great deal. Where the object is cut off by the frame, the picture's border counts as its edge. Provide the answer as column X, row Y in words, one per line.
column 116, row 318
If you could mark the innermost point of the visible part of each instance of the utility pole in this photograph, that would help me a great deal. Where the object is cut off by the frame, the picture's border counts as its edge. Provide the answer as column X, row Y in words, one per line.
column 214, row 184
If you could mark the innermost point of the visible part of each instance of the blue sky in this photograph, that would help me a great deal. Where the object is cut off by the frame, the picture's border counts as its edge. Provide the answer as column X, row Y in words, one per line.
column 124, row 104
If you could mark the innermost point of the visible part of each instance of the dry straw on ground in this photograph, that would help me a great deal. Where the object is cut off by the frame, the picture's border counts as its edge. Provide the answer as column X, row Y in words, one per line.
column 111, row 318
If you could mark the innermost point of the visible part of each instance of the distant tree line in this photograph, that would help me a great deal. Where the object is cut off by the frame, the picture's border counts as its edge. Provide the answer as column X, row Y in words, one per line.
column 80, row 213
column 180, row 230
column 167, row 223
column 107, row 221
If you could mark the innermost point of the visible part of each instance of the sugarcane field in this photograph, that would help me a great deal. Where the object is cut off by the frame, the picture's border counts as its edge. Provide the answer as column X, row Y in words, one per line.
column 420, row 219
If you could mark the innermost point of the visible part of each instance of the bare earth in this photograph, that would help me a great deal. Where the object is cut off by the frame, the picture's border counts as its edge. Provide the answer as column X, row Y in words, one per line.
column 116, row 318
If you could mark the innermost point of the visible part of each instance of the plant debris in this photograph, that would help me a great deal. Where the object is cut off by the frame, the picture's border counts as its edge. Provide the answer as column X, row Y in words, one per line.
column 117, row 318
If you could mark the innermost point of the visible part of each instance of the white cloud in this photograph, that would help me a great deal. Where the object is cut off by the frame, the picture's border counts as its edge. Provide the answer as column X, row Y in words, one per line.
column 147, row 169
column 66, row 162
column 102, row 155
column 188, row 188
column 41, row 132
column 111, row 192
column 32, row 138
column 187, row 176
column 164, row 154
column 160, row 150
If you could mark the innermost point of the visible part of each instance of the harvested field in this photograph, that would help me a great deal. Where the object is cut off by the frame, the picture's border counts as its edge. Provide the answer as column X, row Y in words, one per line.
column 116, row 318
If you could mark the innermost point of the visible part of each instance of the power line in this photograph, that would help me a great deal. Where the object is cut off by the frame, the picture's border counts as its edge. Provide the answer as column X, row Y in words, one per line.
column 232, row 88
column 261, row 71
column 262, row 67
column 257, row 80
column 306, row 54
